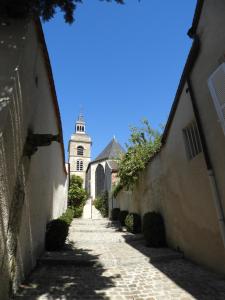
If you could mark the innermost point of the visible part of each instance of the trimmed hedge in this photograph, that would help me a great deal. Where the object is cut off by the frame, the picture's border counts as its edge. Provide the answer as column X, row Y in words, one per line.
column 57, row 231
column 122, row 217
column 101, row 204
column 78, row 211
column 56, row 234
column 115, row 214
column 67, row 216
column 154, row 230
column 133, row 222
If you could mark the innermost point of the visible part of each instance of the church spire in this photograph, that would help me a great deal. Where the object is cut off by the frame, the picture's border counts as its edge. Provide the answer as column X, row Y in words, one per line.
column 81, row 117
column 80, row 124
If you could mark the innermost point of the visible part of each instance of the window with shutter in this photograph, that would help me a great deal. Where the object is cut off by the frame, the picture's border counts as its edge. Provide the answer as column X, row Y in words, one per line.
column 80, row 150
column 80, row 165
column 192, row 140
column 216, row 84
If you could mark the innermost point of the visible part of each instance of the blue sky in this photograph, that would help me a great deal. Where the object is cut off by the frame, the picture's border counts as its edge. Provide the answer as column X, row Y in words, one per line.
column 120, row 63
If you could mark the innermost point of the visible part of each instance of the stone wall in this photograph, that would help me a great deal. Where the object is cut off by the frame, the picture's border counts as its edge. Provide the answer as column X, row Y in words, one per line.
column 32, row 190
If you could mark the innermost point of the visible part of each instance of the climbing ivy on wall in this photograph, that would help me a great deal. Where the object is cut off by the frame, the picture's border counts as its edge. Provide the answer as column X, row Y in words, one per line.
column 144, row 142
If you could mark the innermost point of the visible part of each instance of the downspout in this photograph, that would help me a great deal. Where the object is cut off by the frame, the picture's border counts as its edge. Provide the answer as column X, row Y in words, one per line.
column 210, row 171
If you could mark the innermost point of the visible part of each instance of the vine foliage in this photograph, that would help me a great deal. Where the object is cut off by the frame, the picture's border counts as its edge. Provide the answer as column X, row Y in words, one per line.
column 144, row 143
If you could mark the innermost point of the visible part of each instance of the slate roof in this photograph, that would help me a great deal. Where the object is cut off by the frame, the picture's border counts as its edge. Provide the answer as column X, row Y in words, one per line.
column 112, row 151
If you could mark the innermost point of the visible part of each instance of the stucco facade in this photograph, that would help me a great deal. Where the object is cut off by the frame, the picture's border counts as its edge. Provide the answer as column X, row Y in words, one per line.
column 33, row 189
column 175, row 185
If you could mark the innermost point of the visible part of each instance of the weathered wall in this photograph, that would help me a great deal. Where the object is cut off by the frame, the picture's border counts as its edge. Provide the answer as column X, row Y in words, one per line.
column 110, row 181
column 212, row 37
column 124, row 200
column 32, row 191
column 179, row 189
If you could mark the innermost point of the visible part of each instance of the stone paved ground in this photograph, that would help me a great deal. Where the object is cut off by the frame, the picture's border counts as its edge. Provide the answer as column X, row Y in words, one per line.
column 103, row 263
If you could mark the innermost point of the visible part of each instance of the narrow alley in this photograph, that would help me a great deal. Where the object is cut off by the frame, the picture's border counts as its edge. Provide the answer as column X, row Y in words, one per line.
column 101, row 262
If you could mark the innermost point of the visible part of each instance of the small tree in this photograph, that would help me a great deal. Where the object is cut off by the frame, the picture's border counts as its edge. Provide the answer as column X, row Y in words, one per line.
column 76, row 194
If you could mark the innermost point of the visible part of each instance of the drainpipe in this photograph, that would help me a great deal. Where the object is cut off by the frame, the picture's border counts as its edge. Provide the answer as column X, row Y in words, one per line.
column 210, row 171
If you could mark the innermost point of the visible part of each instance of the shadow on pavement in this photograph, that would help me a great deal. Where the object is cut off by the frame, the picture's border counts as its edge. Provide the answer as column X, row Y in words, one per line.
column 73, row 274
column 197, row 281
column 113, row 225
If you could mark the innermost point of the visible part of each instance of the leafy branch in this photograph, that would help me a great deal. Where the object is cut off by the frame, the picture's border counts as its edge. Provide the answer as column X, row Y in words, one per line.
column 143, row 143
column 46, row 9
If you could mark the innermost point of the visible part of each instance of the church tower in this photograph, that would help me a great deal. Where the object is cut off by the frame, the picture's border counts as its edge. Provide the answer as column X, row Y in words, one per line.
column 79, row 150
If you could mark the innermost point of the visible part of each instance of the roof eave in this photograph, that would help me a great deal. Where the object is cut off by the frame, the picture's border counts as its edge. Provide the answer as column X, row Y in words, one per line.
column 41, row 38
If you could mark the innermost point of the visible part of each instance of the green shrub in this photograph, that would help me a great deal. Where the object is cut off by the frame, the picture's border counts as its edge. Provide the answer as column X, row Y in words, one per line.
column 78, row 211
column 98, row 203
column 67, row 216
column 133, row 223
column 101, row 203
column 115, row 214
column 56, row 234
column 154, row 230
column 122, row 217
column 57, row 231
column 77, row 195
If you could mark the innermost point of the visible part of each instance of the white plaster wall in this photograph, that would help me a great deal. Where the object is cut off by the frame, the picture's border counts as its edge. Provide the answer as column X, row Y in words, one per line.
column 43, row 177
column 88, row 181
column 179, row 188
column 108, row 178
column 212, row 38
column 124, row 201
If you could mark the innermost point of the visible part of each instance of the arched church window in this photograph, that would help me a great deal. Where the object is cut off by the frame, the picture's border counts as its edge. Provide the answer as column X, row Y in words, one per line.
column 99, row 180
column 80, row 165
column 80, row 150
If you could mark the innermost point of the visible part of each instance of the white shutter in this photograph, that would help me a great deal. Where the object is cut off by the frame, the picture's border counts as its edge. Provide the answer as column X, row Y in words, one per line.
column 216, row 84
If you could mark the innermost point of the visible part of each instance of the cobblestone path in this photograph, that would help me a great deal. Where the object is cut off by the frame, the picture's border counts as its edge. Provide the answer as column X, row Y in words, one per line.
column 103, row 263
